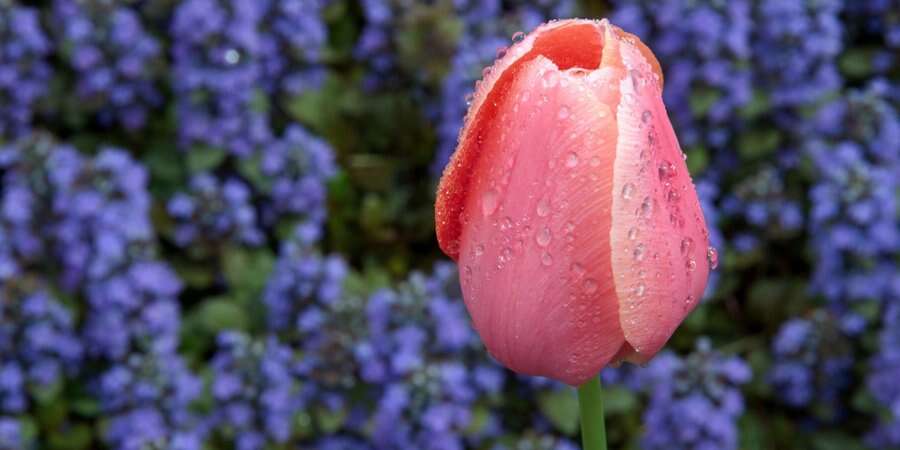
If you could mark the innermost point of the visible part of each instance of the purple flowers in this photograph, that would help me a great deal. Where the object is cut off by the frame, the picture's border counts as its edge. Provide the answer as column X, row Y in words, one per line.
column 24, row 69
column 695, row 401
column 114, row 58
column 215, row 226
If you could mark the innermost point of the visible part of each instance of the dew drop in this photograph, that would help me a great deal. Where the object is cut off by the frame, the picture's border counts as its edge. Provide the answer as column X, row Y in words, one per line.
column 691, row 264
column 570, row 227
column 639, row 251
column 687, row 244
column 713, row 257
column 506, row 223
column 627, row 191
column 576, row 268
column 525, row 96
column 632, row 233
column 506, row 255
column 563, row 113
column 672, row 196
column 543, row 207
column 646, row 116
column 571, row 160
column 543, row 236
column 636, row 79
column 666, row 170
column 518, row 36
column 232, row 56
column 590, row 285
column 684, row 156
column 646, row 208
column 546, row 259
column 468, row 98
column 549, row 79
column 594, row 162
column 640, row 289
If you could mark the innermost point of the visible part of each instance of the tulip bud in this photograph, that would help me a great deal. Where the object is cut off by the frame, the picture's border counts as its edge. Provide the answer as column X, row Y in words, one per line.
column 569, row 208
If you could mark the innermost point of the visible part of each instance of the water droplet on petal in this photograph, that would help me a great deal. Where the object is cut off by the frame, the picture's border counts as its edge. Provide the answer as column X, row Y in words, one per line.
column 543, row 207
column 687, row 244
column 506, row 223
column 468, row 98
column 543, row 236
column 627, row 191
column 518, row 36
column 571, row 160
column 691, row 264
column 639, row 251
column 578, row 269
column 489, row 202
column 501, row 52
column 549, row 79
column 713, row 257
column 666, row 170
column 646, row 116
column 640, row 289
column 505, row 255
column 632, row 233
column 563, row 113
column 646, row 208
column 590, row 285
column 546, row 259
column 595, row 161
column 672, row 196
column 479, row 250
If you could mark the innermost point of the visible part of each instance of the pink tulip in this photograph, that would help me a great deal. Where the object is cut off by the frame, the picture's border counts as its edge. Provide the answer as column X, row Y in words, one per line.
column 569, row 208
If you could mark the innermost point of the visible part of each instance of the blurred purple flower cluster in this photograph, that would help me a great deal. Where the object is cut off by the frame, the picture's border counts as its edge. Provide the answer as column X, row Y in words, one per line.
column 694, row 401
column 112, row 56
column 169, row 217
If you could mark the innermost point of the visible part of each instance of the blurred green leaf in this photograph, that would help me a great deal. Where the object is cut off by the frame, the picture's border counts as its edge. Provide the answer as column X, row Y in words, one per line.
column 247, row 270
column 856, row 62
column 76, row 437
column 618, row 400
column 833, row 440
column 758, row 143
column 330, row 421
column 221, row 313
column 758, row 104
column 561, row 408
column 702, row 99
column 698, row 159
column 202, row 158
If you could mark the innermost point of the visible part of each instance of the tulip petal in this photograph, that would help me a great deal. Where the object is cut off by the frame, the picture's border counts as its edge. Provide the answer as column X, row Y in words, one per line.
column 659, row 237
column 534, row 251
column 561, row 270
column 571, row 43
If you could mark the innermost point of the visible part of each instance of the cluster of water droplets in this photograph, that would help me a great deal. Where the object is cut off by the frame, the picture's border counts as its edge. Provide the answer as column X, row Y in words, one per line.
column 663, row 198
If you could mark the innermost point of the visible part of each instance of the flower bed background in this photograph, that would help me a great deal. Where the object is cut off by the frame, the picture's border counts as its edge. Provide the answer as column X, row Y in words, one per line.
column 216, row 227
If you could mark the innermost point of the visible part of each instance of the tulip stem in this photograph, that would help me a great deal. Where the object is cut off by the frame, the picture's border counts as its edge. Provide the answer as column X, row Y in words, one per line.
column 590, row 405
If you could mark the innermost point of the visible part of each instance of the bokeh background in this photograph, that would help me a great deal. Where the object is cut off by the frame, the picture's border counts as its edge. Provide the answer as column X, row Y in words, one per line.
column 216, row 228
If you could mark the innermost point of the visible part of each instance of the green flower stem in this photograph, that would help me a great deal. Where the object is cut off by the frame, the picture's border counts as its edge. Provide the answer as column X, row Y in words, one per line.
column 590, row 406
